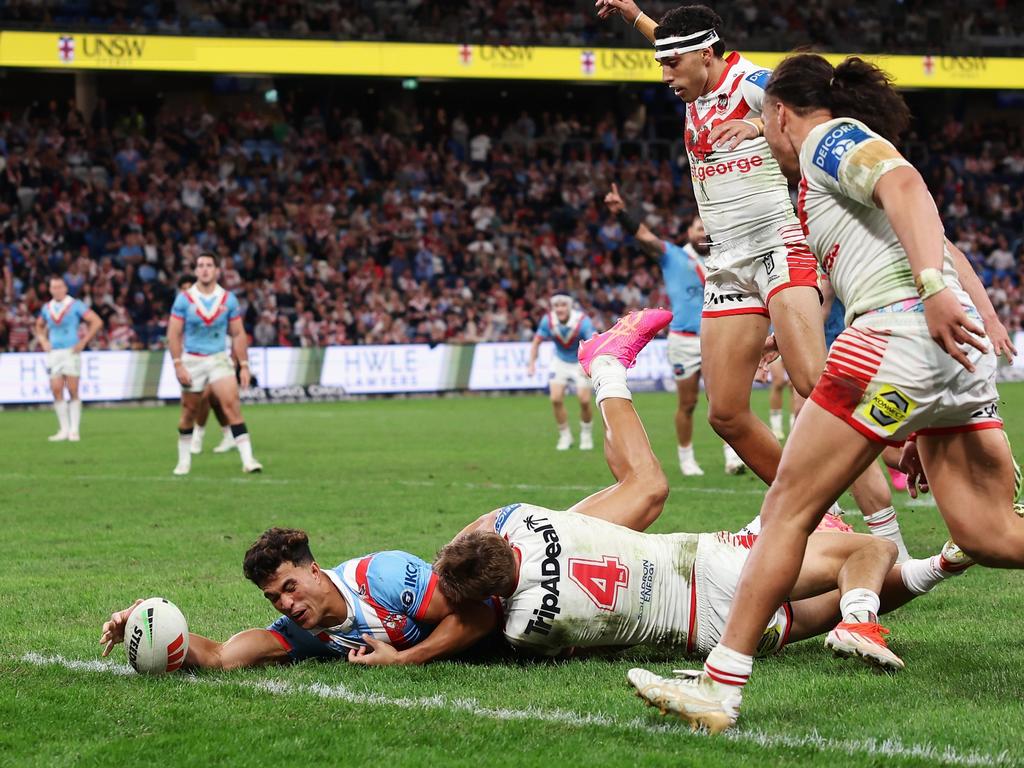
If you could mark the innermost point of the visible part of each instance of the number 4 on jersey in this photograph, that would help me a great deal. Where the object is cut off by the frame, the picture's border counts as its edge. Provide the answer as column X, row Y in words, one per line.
column 600, row 579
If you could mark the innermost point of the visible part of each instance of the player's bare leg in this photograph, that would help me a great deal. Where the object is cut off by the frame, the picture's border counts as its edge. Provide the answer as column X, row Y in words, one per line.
column 777, row 386
column 227, row 440
column 186, row 423
column 226, row 391
column 800, row 335
column 874, row 499
column 586, row 419
column 557, row 395
column 60, row 407
column 687, row 390
column 202, row 414
column 971, row 476
column 731, row 349
column 639, row 493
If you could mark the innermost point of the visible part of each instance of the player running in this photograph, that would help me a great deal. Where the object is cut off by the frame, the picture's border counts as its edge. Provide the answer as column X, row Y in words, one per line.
column 567, row 327
column 759, row 265
column 682, row 269
column 57, row 334
column 206, row 404
column 910, row 363
column 574, row 580
column 386, row 602
column 201, row 320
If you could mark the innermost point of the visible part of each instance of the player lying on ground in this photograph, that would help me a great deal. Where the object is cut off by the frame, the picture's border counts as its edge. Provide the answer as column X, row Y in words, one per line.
column 575, row 580
column 386, row 600
column 911, row 362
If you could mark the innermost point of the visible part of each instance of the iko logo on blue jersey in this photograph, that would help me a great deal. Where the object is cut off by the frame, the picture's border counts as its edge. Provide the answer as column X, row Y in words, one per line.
column 760, row 78
column 503, row 515
column 836, row 144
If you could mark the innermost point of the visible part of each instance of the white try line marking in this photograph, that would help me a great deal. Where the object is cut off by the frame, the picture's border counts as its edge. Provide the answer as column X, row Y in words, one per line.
column 883, row 748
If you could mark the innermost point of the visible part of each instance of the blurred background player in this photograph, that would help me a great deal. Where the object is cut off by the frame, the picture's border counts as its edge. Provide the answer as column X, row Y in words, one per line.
column 682, row 269
column 567, row 327
column 57, row 333
column 201, row 319
column 207, row 402
column 778, row 384
column 759, row 268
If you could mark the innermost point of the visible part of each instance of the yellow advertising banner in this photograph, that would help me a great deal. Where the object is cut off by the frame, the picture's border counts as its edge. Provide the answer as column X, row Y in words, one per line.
column 76, row 51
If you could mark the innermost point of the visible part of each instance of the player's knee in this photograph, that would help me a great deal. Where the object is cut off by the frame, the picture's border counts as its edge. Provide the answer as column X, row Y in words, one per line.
column 725, row 419
column 883, row 549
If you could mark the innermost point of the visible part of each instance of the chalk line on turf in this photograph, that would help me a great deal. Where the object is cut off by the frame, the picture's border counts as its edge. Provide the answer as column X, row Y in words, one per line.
column 887, row 748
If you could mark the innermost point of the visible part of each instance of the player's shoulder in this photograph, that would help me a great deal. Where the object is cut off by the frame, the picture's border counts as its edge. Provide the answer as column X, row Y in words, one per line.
column 752, row 72
column 81, row 307
column 506, row 517
column 830, row 142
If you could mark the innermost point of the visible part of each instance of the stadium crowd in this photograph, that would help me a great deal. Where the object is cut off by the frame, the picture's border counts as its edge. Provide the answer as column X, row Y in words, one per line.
column 918, row 26
column 347, row 229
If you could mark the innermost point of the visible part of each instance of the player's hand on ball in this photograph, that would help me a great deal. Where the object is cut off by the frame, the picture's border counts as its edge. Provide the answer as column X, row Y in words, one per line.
column 1000, row 338
column 730, row 133
column 113, row 630
column 614, row 201
column 377, row 654
column 950, row 327
column 184, row 377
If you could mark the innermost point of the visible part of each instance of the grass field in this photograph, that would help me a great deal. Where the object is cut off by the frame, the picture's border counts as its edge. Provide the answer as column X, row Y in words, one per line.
column 91, row 526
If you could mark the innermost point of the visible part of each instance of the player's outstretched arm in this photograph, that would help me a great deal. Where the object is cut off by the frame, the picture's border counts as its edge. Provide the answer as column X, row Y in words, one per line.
column 630, row 13
column 251, row 648
column 650, row 242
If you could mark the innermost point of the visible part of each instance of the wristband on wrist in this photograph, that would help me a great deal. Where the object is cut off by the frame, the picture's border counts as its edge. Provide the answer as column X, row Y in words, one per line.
column 244, row 364
column 176, row 360
column 631, row 225
column 753, row 125
column 929, row 282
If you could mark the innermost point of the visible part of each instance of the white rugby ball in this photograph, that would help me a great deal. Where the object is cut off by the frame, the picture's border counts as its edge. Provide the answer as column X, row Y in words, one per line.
column 156, row 637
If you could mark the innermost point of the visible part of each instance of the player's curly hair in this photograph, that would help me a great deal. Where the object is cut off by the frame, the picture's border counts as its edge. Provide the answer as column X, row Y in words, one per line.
column 688, row 19
column 475, row 566
column 807, row 82
column 275, row 546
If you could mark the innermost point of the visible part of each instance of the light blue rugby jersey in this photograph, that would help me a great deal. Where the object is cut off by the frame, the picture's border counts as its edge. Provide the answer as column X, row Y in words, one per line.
column 567, row 337
column 684, row 283
column 206, row 319
column 62, row 322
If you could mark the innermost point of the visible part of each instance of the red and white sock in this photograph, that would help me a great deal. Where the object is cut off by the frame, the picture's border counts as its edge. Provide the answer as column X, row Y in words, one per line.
column 883, row 523
column 728, row 667
column 920, row 576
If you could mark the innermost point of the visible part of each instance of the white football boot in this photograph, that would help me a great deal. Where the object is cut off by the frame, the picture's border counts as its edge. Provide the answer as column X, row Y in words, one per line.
column 74, row 437
column 252, row 466
column 182, row 469
column 733, row 463
column 59, row 437
column 586, row 441
column 692, row 696
column 690, row 468
column 864, row 640
column 564, row 441
column 227, row 443
column 196, row 446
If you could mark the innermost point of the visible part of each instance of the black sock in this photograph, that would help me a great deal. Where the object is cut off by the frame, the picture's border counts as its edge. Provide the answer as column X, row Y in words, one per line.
column 184, row 432
column 237, row 430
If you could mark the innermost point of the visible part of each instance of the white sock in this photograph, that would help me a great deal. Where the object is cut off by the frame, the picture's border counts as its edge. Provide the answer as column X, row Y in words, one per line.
column 61, row 409
column 859, row 605
column 197, row 434
column 884, row 523
column 728, row 667
column 75, row 415
column 586, row 427
column 227, row 434
column 563, row 429
column 775, row 419
column 244, row 448
column 920, row 576
column 686, row 452
column 730, row 455
column 185, row 450
column 609, row 379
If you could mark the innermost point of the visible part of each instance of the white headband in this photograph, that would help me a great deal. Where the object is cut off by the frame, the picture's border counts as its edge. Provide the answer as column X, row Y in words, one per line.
column 561, row 297
column 667, row 47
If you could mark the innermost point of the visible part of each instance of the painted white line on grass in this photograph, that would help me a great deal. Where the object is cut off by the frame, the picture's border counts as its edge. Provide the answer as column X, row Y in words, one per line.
column 888, row 748
column 486, row 486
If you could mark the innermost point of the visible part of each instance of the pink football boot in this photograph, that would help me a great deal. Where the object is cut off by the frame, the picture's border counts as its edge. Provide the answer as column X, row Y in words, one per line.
column 626, row 338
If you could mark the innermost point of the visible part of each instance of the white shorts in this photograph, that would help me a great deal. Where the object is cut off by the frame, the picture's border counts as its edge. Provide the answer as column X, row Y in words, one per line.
column 886, row 378
column 743, row 275
column 720, row 559
column 64, row 362
column 563, row 372
column 206, row 369
column 684, row 354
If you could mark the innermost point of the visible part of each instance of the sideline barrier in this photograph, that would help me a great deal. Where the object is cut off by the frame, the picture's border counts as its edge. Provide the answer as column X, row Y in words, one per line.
column 259, row 56
column 332, row 373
